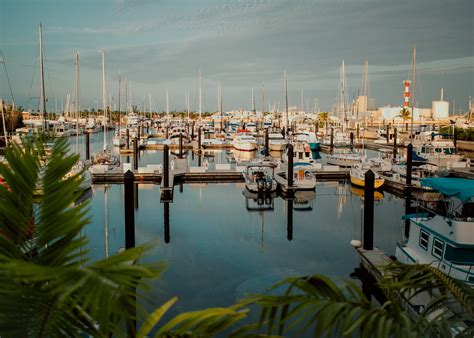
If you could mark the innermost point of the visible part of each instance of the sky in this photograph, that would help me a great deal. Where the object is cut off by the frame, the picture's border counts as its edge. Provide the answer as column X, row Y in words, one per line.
column 160, row 45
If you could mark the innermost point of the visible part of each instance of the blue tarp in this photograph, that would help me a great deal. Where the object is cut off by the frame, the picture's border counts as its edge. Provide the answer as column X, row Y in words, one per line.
column 458, row 187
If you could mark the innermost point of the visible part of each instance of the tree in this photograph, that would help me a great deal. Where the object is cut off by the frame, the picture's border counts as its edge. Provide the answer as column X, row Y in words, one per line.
column 46, row 288
column 405, row 114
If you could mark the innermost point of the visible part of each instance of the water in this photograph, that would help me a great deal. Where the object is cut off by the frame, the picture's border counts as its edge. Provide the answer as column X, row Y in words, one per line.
column 219, row 250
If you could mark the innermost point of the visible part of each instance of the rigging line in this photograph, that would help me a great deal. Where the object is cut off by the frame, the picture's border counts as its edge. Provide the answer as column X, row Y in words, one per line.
column 32, row 79
column 419, row 86
column 50, row 83
column 6, row 72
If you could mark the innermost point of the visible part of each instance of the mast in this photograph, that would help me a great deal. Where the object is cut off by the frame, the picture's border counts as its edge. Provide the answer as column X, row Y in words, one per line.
column 200, row 95
column 104, row 98
column 302, row 100
column 187, row 104
column 343, row 91
column 413, row 92
column 149, row 102
column 253, row 102
column 76, row 106
column 263, row 99
column 286, row 101
column 119, row 105
column 42, row 106
column 167, row 105
column 3, row 120
column 220, row 107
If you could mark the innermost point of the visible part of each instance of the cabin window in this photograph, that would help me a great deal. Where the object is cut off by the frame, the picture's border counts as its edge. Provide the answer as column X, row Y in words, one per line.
column 461, row 256
column 306, row 154
column 423, row 149
column 438, row 150
column 424, row 239
column 449, row 151
column 300, row 156
column 438, row 247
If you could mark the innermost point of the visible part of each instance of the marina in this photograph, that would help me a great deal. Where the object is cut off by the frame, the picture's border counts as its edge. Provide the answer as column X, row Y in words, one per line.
column 206, row 170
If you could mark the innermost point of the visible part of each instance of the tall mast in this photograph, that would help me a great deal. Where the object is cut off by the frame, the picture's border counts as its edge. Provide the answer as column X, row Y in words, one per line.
column 200, row 95
column 263, row 98
column 104, row 98
column 302, row 100
column 119, row 105
column 167, row 104
column 220, row 104
column 253, row 102
column 187, row 104
column 413, row 91
column 343, row 90
column 3, row 120
column 149, row 102
column 218, row 95
column 286, row 101
column 77, row 101
column 42, row 106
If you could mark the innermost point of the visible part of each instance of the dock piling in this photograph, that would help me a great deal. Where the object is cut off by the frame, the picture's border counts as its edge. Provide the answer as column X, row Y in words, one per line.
column 166, row 167
column 88, row 154
column 331, row 146
column 352, row 140
column 267, row 150
column 289, row 219
column 135, row 154
column 368, row 241
column 180, row 145
column 199, row 139
column 139, row 132
column 387, row 133
column 128, row 178
column 128, row 138
column 290, row 166
column 409, row 164
column 166, row 216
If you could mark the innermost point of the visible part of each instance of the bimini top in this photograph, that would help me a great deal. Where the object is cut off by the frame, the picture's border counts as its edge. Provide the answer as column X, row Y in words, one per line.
column 458, row 187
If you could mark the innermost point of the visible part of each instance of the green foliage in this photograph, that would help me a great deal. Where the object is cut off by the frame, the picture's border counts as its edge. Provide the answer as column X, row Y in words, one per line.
column 405, row 114
column 46, row 288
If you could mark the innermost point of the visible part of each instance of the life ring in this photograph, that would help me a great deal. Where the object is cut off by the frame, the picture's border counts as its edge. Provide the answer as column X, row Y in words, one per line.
column 307, row 149
column 206, row 165
column 308, row 174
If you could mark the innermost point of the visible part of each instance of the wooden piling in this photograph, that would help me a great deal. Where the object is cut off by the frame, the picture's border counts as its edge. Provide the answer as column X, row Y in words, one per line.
column 135, row 154
column 129, row 210
column 290, row 166
column 88, row 154
column 368, row 241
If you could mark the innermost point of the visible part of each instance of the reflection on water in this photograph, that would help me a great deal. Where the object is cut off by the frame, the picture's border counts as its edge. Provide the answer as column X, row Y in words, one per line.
column 221, row 244
column 230, row 244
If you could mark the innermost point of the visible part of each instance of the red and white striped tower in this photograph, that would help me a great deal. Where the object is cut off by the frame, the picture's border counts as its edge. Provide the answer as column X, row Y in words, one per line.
column 406, row 104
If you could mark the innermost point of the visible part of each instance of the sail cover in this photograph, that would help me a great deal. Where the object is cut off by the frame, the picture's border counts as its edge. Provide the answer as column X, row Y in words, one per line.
column 458, row 187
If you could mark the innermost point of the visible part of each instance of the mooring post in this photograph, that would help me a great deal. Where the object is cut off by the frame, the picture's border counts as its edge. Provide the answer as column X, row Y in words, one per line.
column 406, row 126
column 166, row 167
column 283, row 132
column 148, row 128
column 135, row 154
column 138, row 131
column 455, row 137
column 192, row 130
column 352, row 140
column 408, row 189
column 395, row 143
column 331, row 146
column 290, row 167
column 387, row 133
column 180, row 145
column 316, row 126
column 88, row 149
column 166, row 216
column 267, row 150
column 289, row 219
column 167, row 131
column 409, row 164
column 199, row 139
column 135, row 195
column 128, row 138
column 369, row 210
column 128, row 178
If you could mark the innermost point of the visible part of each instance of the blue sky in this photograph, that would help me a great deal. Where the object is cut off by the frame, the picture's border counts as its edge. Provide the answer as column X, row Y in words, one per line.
column 161, row 44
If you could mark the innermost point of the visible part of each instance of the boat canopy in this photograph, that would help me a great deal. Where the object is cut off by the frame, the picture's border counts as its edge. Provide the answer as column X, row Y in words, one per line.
column 457, row 187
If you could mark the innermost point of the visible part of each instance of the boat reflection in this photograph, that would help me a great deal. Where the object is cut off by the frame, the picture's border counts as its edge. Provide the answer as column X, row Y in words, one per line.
column 243, row 156
column 378, row 195
column 304, row 200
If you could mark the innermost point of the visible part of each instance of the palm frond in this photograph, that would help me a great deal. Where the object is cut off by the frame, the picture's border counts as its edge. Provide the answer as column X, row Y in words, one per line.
column 45, row 288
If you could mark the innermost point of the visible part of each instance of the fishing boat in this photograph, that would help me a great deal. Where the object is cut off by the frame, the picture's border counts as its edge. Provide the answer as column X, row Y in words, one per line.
column 260, row 177
column 303, row 179
column 344, row 158
column 244, row 141
column 302, row 156
column 441, row 232
column 437, row 151
column 276, row 142
column 308, row 137
column 357, row 175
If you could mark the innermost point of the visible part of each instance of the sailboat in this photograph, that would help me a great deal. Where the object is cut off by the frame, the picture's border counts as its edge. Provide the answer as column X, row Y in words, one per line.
column 119, row 140
column 79, row 167
column 104, row 158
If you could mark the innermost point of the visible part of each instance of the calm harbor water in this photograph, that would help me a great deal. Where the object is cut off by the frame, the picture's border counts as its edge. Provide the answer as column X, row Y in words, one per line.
column 221, row 247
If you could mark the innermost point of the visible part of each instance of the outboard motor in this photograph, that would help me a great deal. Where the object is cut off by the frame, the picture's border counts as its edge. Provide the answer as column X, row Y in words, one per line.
column 268, row 185
column 260, row 184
